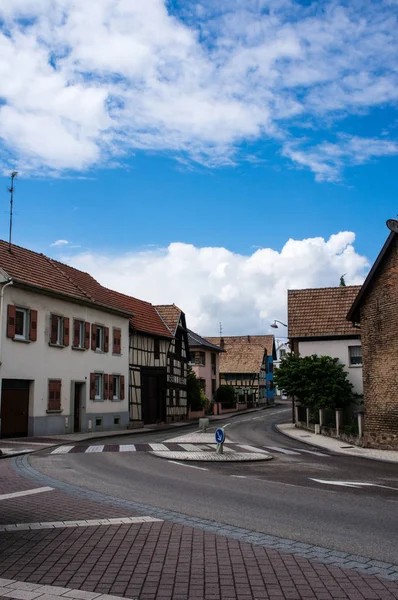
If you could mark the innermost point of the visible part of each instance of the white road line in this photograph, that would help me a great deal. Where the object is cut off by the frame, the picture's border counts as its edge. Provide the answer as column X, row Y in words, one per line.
column 239, row 476
column 252, row 449
column 187, row 447
column 227, row 424
column 95, row 449
column 181, row 464
column 353, row 484
column 26, row 493
column 158, row 447
column 62, row 450
column 82, row 523
column 127, row 448
column 315, row 453
column 282, row 450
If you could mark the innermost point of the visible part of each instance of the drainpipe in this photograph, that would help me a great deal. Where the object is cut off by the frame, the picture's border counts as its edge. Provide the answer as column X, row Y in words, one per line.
column 3, row 287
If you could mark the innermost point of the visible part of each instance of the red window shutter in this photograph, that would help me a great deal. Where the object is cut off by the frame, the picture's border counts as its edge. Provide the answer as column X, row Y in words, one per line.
column 57, row 395
column 87, row 335
column 121, row 387
column 106, row 342
column 66, row 331
column 110, row 387
column 54, row 329
column 50, row 395
column 33, row 326
column 106, row 387
column 11, row 316
column 93, row 337
column 117, row 334
column 76, row 333
column 92, row 386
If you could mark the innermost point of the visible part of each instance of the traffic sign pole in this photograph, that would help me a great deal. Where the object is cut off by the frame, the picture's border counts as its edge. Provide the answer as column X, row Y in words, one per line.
column 220, row 439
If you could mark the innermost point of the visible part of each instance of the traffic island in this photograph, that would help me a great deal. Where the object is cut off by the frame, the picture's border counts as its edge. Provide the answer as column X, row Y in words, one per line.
column 213, row 456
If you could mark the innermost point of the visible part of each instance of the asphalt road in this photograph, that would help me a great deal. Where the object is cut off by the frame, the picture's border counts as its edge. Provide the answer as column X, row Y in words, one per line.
column 278, row 497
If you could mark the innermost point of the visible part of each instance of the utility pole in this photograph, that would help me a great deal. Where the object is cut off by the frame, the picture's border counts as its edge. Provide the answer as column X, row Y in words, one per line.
column 11, row 190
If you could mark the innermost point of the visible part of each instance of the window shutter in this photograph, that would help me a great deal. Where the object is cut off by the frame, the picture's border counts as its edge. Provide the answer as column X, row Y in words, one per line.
column 54, row 395
column 33, row 326
column 11, row 315
column 121, row 387
column 117, row 335
column 50, row 395
column 92, row 386
column 106, row 342
column 106, row 387
column 87, row 336
column 76, row 333
column 54, row 329
column 66, row 331
column 110, row 387
column 93, row 337
column 57, row 395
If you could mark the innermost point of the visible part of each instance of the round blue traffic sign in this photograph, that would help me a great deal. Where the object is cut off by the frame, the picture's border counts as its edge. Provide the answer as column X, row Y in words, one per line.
column 220, row 436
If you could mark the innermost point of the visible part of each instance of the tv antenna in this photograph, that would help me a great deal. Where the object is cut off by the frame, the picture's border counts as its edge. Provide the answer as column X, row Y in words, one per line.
column 14, row 174
column 220, row 330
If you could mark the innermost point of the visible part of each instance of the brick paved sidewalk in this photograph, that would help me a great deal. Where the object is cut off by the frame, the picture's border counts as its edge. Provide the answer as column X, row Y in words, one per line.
column 160, row 560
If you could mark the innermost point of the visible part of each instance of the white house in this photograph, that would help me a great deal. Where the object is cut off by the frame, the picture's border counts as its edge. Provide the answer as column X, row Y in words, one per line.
column 317, row 324
column 64, row 349
column 282, row 348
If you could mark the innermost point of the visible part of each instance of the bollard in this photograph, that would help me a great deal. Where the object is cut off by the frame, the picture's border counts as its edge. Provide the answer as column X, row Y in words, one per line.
column 203, row 424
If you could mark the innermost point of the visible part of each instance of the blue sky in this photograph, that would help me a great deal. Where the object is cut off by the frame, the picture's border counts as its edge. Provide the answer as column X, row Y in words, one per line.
column 146, row 133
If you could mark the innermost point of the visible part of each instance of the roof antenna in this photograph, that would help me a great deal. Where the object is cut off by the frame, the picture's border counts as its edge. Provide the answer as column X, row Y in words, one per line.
column 220, row 330
column 11, row 190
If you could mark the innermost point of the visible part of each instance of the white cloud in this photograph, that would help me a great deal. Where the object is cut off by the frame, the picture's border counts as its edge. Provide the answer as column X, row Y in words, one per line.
column 61, row 243
column 245, row 293
column 82, row 83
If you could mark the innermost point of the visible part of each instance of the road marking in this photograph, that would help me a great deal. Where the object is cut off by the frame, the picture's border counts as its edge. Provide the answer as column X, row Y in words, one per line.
column 95, row 449
column 239, row 476
column 315, row 453
column 158, row 446
column 227, row 425
column 127, row 448
column 62, row 450
column 185, row 465
column 252, row 449
column 86, row 523
column 283, row 450
column 187, row 447
column 353, row 484
column 26, row 493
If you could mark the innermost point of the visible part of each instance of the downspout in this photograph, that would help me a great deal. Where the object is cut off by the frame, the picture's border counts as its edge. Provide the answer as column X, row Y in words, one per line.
column 3, row 287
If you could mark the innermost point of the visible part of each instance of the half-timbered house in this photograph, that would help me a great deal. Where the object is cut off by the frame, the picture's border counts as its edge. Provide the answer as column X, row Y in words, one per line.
column 150, row 341
column 177, row 360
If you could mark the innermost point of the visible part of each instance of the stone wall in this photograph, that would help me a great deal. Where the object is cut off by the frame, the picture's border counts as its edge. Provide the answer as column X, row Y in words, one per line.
column 379, row 330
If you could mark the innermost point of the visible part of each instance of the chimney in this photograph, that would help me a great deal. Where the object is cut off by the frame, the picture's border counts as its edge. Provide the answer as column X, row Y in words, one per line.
column 248, row 339
column 222, row 343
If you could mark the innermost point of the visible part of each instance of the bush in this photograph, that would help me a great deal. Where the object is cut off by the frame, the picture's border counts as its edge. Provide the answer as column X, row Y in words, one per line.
column 226, row 395
column 316, row 381
column 195, row 395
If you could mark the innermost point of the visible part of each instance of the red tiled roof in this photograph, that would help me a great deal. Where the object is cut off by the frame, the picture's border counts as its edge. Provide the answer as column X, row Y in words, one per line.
column 321, row 312
column 243, row 353
column 145, row 316
column 170, row 314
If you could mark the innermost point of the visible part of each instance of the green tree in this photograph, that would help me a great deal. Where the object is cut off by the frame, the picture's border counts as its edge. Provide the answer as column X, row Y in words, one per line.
column 195, row 394
column 226, row 394
column 316, row 381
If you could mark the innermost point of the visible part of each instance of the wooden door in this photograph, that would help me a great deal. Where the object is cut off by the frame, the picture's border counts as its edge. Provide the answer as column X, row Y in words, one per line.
column 153, row 396
column 14, row 412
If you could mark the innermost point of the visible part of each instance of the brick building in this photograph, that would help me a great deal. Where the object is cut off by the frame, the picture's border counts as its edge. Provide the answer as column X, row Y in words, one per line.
column 376, row 309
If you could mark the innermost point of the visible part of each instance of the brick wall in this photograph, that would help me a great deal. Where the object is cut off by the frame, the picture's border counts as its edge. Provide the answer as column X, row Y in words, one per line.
column 379, row 330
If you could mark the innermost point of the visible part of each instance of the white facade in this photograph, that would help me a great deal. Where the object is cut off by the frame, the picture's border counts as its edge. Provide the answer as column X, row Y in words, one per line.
column 37, row 362
column 336, row 349
column 282, row 349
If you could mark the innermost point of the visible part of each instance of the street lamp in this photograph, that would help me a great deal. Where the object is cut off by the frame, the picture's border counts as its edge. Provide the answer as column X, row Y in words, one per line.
column 392, row 224
column 275, row 326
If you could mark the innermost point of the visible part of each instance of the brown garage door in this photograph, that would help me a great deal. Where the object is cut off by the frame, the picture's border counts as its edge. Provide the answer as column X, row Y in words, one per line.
column 14, row 408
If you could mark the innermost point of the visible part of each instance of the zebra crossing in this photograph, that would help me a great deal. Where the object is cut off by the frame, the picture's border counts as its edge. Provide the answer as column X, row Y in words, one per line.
column 181, row 447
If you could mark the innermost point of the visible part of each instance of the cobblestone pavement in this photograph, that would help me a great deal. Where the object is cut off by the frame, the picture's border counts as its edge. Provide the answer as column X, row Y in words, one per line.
column 180, row 558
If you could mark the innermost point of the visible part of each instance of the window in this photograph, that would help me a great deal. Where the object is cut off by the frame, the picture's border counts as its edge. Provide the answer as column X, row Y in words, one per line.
column 99, row 338
column 116, row 420
column 98, row 422
column 21, row 323
column 213, row 363
column 200, row 358
column 115, row 395
column 202, row 383
column 59, row 331
column 156, row 347
column 355, row 356
column 99, row 386
column 282, row 353
column 54, row 395
column 177, row 397
column 79, row 334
